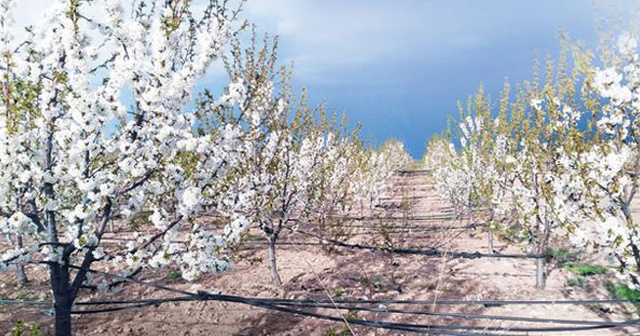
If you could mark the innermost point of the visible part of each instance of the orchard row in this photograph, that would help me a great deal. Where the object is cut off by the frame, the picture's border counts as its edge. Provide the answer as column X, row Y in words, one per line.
column 560, row 157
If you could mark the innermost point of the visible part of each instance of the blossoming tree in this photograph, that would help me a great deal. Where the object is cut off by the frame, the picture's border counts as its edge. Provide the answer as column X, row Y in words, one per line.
column 331, row 196
column 610, row 166
column 291, row 154
column 516, row 165
column 76, row 158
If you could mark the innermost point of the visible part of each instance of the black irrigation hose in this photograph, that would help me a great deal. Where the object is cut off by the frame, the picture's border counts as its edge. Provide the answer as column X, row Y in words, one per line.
column 486, row 303
column 427, row 328
column 431, row 252
column 594, row 326
column 464, row 315
column 274, row 306
column 417, row 328
column 131, row 304
column 431, row 329
column 275, row 303
column 422, row 328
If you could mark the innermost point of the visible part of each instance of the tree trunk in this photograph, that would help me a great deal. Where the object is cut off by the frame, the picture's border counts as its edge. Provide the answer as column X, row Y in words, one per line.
column 62, row 298
column 22, row 275
column 540, row 276
column 490, row 240
column 275, row 277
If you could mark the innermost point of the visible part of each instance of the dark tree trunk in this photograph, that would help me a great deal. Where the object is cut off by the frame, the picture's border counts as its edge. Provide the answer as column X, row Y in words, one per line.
column 275, row 277
column 63, row 299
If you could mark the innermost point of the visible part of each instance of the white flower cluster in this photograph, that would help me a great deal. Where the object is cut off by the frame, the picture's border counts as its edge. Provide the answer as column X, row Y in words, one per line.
column 612, row 163
column 73, row 158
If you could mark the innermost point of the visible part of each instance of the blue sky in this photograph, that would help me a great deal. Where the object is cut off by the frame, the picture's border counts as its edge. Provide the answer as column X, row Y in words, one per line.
column 401, row 66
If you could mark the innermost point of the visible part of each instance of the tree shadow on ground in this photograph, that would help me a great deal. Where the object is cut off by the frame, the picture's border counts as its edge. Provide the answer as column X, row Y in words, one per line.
column 366, row 275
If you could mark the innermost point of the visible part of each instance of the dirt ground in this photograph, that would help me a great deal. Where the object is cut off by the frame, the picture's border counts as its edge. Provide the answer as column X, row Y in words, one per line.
column 413, row 216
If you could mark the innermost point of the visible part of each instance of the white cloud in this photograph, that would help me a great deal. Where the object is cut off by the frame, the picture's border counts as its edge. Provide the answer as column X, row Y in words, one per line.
column 353, row 32
column 322, row 36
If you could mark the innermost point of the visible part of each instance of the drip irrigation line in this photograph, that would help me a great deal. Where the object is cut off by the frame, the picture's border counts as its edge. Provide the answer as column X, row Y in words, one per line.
column 431, row 252
column 276, row 304
column 273, row 303
column 427, row 328
column 134, row 304
column 267, row 304
column 433, row 329
column 465, row 316
column 423, row 328
column 487, row 303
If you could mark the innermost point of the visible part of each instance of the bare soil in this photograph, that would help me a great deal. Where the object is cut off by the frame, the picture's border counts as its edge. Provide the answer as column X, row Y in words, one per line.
column 412, row 215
